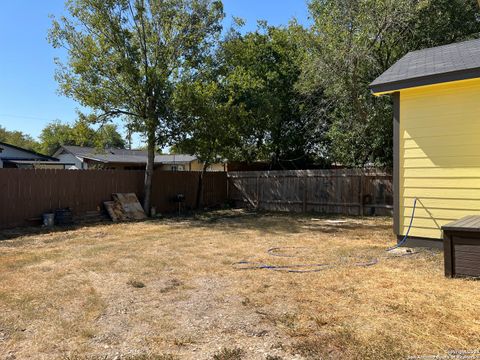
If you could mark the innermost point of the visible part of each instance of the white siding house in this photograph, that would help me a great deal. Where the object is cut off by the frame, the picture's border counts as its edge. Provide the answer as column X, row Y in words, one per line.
column 12, row 156
column 124, row 159
column 77, row 163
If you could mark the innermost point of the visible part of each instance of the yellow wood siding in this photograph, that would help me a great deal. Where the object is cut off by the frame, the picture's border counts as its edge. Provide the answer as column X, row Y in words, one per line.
column 198, row 166
column 439, row 155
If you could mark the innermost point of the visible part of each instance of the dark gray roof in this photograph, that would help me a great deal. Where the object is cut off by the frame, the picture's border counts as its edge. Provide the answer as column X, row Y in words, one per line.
column 31, row 152
column 40, row 162
column 452, row 62
column 124, row 155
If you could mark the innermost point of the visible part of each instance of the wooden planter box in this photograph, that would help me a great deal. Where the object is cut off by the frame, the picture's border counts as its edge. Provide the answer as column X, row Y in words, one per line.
column 461, row 246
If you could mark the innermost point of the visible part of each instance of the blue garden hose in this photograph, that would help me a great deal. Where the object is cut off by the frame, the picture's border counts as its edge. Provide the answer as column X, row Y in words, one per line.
column 404, row 240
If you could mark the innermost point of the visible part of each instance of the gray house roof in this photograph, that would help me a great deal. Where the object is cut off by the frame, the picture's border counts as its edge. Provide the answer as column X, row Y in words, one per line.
column 23, row 154
column 452, row 62
column 123, row 155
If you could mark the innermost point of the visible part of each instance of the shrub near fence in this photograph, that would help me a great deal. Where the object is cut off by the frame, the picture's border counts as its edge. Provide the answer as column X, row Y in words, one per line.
column 348, row 192
column 25, row 194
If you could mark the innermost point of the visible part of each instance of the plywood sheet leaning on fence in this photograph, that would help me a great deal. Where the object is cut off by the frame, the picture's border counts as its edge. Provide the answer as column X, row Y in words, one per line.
column 25, row 194
column 130, row 205
column 114, row 209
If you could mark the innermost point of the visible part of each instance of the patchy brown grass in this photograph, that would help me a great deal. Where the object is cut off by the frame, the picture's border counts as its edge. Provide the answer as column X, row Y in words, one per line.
column 229, row 354
column 167, row 289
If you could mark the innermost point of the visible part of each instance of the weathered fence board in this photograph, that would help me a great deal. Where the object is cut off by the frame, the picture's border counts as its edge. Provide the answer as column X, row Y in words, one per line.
column 25, row 194
column 166, row 185
column 349, row 192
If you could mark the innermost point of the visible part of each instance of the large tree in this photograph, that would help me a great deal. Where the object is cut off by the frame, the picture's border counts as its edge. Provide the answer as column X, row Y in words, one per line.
column 351, row 42
column 18, row 138
column 208, row 129
column 245, row 105
column 259, row 71
column 80, row 133
column 125, row 58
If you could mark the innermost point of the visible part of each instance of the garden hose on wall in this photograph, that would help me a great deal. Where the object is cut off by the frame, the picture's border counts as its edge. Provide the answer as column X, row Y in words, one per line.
column 404, row 240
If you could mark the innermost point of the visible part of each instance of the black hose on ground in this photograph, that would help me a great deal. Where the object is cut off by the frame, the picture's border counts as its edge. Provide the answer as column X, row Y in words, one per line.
column 294, row 268
column 248, row 265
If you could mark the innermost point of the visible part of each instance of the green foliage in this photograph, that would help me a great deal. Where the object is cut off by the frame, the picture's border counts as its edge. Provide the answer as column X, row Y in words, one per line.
column 303, row 94
column 54, row 135
column 352, row 42
column 80, row 133
column 259, row 71
column 244, row 104
column 107, row 136
column 275, row 94
column 18, row 138
column 207, row 130
column 125, row 58
column 440, row 22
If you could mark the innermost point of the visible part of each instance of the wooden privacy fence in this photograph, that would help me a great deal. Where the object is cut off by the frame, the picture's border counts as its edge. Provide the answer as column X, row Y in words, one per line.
column 348, row 192
column 25, row 194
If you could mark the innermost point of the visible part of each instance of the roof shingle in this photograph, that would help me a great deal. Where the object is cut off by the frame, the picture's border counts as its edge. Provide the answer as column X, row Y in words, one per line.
column 125, row 155
column 430, row 66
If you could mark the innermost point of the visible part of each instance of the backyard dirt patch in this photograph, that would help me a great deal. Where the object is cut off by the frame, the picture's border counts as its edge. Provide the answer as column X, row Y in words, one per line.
column 167, row 289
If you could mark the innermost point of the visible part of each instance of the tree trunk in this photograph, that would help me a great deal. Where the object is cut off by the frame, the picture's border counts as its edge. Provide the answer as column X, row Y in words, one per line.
column 149, row 174
column 199, row 201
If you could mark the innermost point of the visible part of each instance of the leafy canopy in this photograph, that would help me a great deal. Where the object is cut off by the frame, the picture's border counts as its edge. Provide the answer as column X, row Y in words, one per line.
column 125, row 58
column 207, row 129
column 244, row 104
column 350, row 43
column 259, row 71
column 56, row 134
column 18, row 138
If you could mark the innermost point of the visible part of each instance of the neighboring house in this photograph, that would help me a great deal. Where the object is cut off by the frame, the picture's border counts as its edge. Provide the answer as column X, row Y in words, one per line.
column 123, row 159
column 12, row 156
column 436, row 97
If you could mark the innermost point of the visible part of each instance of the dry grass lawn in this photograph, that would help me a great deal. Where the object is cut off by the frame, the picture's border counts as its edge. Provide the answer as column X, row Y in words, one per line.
column 166, row 289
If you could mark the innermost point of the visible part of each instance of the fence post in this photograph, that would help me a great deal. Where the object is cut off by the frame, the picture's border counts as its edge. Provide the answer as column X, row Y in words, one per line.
column 304, row 207
column 361, row 193
column 258, row 190
column 228, row 187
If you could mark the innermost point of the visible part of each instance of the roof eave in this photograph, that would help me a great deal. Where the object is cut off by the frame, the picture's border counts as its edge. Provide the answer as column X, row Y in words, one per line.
column 174, row 162
column 33, row 161
column 90, row 158
column 29, row 151
column 390, row 87
column 59, row 151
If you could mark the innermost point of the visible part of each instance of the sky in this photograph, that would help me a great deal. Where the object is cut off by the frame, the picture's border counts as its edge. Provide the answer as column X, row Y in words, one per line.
column 28, row 91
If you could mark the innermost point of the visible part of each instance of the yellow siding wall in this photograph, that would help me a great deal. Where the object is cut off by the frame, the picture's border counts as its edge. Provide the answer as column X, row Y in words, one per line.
column 194, row 165
column 180, row 167
column 198, row 166
column 439, row 155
